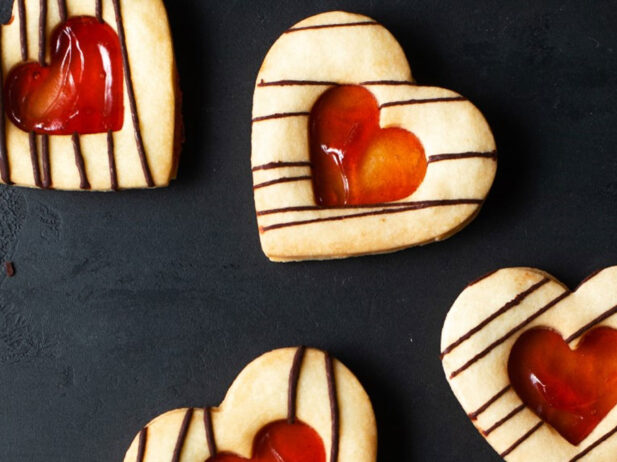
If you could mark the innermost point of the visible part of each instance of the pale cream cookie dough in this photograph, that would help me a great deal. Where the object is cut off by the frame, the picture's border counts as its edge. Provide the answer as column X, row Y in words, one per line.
column 289, row 384
column 337, row 48
column 479, row 332
column 145, row 152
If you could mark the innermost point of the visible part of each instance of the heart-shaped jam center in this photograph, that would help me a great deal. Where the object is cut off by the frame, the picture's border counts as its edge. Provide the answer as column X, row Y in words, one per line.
column 282, row 442
column 354, row 160
column 81, row 91
column 572, row 390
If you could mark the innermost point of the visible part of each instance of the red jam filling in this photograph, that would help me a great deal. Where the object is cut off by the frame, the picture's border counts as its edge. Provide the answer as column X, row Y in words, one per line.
column 282, row 442
column 354, row 160
column 572, row 390
column 80, row 91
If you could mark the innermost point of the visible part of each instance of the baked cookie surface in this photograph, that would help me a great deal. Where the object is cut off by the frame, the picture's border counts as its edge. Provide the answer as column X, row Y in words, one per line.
column 342, row 49
column 302, row 389
column 532, row 364
column 136, row 145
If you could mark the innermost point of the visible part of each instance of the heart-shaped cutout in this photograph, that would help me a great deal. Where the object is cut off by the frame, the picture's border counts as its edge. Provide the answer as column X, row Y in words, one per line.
column 354, row 160
column 572, row 390
column 289, row 405
column 282, row 442
column 350, row 156
column 80, row 91
column 534, row 365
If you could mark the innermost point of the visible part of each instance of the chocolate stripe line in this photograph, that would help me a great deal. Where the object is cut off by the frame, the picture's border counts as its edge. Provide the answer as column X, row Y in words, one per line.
column 46, row 183
column 502, row 421
column 209, row 432
column 287, row 179
column 474, row 415
column 5, row 171
column 79, row 163
column 517, row 300
column 62, row 10
column 334, row 408
column 511, row 332
column 23, row 40
column 462, row 155
column 329, row 26
column 294, row 375
column 143, row 440
column 273, row 165
column 98, row 10
column 131, row 94
column 111, row 157
column 607, row 314
column 518, row 442
column 409, row 102
column 184, row 428
column 281, row 115
column 393, row 205
column 390, row 210
column 591, row 447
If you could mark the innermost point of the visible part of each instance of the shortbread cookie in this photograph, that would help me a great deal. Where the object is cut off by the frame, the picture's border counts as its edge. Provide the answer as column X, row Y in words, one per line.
column 535, row 365
column 289, row 405
column 350, row 156
column 90, row 95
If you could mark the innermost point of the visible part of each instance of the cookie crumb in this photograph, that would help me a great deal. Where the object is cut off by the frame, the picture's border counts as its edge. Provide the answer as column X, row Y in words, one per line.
column 10, row 268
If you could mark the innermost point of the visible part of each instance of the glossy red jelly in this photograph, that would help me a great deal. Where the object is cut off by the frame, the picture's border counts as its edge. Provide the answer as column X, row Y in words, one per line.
column 80, row 91
column 354, row 160
column 572, row 390
column 282, row 442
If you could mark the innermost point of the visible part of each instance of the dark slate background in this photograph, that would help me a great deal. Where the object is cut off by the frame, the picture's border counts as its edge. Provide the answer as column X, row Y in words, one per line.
column 128, row 305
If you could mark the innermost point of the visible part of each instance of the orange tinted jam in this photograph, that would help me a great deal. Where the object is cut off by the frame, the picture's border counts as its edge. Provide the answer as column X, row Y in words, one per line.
column 282, row 442
column 572, row 390
column 80, row 91
column 354, row 160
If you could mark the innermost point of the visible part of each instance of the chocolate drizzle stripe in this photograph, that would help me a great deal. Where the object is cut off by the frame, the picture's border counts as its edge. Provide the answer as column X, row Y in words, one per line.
column 423, row 101
column 518, row 442
column 42, row 31
column 463, row 155
column 334, row 408
column 474, row 415
column 143, row 440
column 502, row 421
column 589, row 278
column 594, row 445
column 62, row 10
column 111, row 158
column 209, row 432
column 23, row 33
column 328, row 26
column 294, row 375
column 607, row 314
column 98, row 10
column 389, row 83
column 5, row 172
column 373, row 213
column 289, row 83
column 394, row 205
column 481, row 278
column 79, row 163
column 131, row 94
column 281, row 115
column 34, row 159
column 45, row 161
column 504, row 309
column 273, row 165
column 184, row 428
column 511, row 332
column 287, row 179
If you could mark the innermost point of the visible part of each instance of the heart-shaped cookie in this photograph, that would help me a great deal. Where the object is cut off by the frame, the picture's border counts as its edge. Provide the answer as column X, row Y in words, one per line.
column 350, row 156
column 91, row 95
column 289, row 405
column 534, row 365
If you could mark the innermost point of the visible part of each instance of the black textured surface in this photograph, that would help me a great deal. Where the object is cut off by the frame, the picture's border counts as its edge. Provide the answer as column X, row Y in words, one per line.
column 128, row 305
